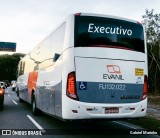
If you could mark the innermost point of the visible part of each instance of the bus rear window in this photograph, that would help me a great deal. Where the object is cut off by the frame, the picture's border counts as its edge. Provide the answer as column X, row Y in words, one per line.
column 106, row 32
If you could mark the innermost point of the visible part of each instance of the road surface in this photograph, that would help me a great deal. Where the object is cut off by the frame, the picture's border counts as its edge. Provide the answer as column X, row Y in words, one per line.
column 17, row 119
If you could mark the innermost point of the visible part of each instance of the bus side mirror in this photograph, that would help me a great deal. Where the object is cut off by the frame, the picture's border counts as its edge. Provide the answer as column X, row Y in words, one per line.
column 56, row 56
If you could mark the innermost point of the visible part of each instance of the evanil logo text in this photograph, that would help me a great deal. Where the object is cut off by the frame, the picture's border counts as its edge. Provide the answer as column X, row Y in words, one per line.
column 92, row 28
column 114, row 73
column 112, row 77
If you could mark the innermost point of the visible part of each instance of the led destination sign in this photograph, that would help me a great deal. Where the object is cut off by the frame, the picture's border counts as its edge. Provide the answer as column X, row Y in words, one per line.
column 112, row 30
column 108, row 32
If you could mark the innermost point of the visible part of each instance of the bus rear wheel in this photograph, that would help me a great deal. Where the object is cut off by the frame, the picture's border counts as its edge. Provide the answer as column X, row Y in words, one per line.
column 1, row 105
column 34, row 108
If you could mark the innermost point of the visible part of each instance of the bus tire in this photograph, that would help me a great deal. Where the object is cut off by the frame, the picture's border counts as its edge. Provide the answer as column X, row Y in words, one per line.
column 17, row 91
column 1, row 106
column 20, row 100
column 34, row 108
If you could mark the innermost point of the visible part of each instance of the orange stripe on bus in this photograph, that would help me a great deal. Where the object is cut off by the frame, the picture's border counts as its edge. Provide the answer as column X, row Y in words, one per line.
column 32, row 80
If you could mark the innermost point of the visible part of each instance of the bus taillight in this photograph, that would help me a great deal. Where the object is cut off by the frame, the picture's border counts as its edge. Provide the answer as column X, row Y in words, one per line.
column 145, row 88
column 71, row 86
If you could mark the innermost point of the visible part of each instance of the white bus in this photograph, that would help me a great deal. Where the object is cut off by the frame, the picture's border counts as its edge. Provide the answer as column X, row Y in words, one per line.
column 90, row 67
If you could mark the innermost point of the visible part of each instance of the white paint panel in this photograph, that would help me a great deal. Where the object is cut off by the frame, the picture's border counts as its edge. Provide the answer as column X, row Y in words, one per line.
column 100, row 70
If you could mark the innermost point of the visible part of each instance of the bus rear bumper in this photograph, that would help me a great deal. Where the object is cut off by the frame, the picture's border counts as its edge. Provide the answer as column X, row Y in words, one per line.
column 74, row 110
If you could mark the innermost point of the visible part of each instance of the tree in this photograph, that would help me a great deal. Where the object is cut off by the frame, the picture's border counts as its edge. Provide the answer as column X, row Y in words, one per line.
column 8, row 66
column 151, row 23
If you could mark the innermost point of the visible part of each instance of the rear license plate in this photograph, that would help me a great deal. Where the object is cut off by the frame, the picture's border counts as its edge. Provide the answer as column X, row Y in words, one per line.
column 111, row 110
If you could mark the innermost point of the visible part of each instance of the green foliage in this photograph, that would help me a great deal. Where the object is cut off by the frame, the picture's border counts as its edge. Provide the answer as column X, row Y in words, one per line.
column 8, row 66
column 152, row 26
column 151, row 23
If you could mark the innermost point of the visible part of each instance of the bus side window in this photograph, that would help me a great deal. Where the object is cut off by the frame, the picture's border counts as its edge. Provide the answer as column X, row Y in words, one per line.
column 20, row 71
column 23, row 67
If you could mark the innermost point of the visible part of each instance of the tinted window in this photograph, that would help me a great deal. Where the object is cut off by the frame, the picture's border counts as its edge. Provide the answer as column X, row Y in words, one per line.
column 107, row 32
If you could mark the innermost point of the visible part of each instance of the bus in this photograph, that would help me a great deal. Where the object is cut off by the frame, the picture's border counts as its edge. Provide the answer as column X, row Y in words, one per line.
column 91, row 66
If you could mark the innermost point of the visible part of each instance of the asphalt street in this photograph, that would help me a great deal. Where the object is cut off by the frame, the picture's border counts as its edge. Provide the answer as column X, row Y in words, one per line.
column 17, row 120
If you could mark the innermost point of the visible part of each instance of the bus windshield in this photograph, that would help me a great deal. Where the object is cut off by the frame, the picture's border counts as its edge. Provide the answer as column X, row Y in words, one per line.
column 107, row 32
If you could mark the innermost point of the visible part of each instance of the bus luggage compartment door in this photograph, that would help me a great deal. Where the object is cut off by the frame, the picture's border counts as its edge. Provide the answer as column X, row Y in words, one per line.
column 109, row 81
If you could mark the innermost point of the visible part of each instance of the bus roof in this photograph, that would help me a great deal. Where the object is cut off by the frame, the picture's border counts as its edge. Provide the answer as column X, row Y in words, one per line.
column 106, row 16
column 84, row 14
